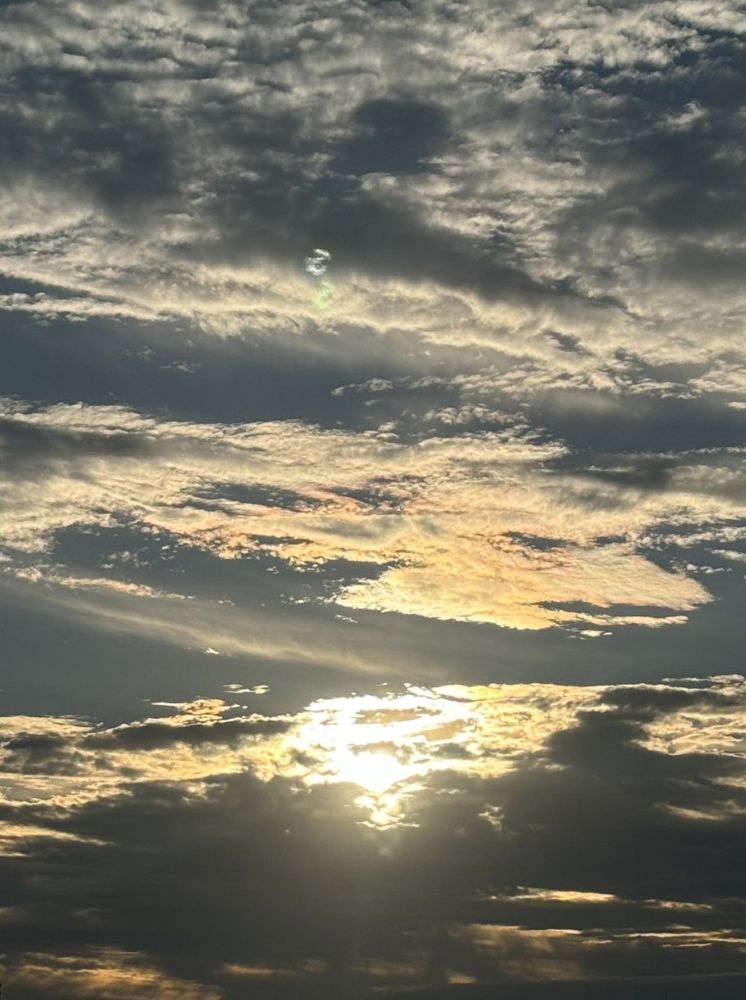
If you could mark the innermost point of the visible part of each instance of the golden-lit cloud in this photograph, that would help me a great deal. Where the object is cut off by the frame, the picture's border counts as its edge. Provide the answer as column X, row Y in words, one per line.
column 388, row 746
column 378, row 791
column 101, row 974
column 478, row 527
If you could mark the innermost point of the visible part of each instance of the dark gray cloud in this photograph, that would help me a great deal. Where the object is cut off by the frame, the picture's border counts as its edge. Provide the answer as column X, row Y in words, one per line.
column 33, row 450
column 154, row 735
column 393, row 137
column 631, row 852
column 665, row 139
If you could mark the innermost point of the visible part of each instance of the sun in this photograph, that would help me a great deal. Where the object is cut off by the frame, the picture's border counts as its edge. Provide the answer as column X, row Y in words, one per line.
column 382, row 746
column 370, row 754
column 374, row 771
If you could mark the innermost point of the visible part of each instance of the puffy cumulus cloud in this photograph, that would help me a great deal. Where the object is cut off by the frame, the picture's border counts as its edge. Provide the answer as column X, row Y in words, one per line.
column 504, row 525
column 530, row 178
column 504, row 836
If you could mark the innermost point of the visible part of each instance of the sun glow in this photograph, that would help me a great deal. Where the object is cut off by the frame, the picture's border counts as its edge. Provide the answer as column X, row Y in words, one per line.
column 363, row 755
column 390, row 745
column 374, row 771
column 379, row 744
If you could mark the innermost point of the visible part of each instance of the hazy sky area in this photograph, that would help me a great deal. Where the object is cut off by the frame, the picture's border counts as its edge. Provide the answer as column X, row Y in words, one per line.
column 372, row 500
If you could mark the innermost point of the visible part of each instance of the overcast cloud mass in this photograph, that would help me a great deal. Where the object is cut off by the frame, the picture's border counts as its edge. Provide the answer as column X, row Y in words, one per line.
column 372, row 499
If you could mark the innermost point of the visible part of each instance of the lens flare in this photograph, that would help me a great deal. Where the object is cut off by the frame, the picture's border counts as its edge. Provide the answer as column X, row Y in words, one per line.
column 317, row 262
column 316, row 265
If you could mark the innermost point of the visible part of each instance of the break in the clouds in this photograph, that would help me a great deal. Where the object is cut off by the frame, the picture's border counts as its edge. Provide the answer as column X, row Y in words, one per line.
column 373, row 410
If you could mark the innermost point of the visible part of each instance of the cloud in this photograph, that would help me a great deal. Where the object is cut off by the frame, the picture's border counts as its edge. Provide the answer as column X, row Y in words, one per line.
column 442, row 527
column 520, row 405
column 555, row 850
column 111, row 975
column 393, row 137
column 220, row 158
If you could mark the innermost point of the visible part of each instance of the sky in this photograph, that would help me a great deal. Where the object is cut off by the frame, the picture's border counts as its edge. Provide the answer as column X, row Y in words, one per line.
column 372, row 481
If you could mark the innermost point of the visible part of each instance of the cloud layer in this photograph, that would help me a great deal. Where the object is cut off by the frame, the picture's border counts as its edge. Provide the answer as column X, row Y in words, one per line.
column 356, row 359
column 499, row 526
column 500, row 841
column 563, row 202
